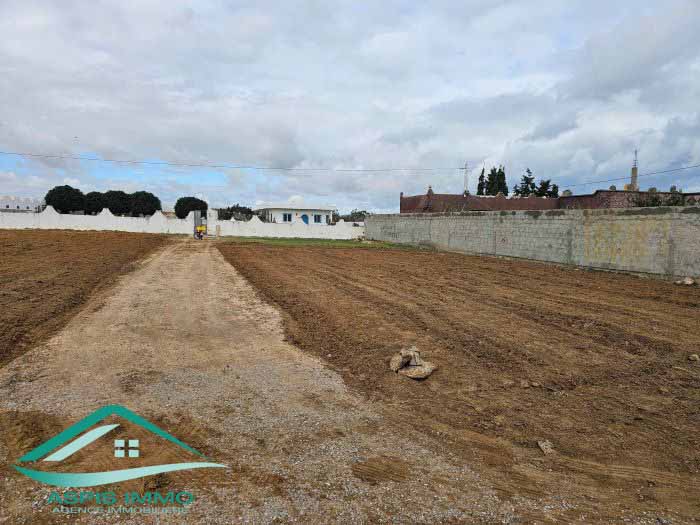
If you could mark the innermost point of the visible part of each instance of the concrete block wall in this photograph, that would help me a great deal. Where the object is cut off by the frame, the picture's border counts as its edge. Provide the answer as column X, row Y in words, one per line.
column 662, row 241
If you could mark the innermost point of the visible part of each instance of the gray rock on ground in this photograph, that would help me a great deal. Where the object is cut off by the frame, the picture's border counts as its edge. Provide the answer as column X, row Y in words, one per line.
column 420, row 371
column 409, row 363
column 399, row 360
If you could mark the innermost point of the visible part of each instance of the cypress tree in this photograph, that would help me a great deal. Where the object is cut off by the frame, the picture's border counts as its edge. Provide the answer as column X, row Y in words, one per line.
column 482, row 184
column 492, row 182
column 501, row 184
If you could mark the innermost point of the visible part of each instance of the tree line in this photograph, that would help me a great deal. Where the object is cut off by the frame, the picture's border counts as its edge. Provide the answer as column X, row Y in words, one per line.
column 66, row 199
column 494, row 183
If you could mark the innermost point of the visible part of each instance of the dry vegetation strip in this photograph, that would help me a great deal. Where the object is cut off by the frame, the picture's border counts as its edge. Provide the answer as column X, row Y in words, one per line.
column 594, row 362
column 46, row 275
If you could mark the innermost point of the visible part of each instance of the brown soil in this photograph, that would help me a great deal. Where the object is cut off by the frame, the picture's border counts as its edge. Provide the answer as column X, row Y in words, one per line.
column 597, row 363
column 46, row 275
column 187, row 343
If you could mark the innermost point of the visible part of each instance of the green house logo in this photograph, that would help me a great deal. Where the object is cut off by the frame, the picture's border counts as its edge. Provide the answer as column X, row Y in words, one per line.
column 85, row 432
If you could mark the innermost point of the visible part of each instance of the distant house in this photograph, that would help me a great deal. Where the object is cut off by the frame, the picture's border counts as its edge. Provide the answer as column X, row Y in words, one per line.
column 298, row 214
column 19, row 204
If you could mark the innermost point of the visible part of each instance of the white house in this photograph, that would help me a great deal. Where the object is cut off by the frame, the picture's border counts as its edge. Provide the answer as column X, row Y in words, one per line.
column 297, row 214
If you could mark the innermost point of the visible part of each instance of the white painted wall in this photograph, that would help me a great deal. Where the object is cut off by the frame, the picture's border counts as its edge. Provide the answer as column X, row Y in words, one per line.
column 50, row 219
column 256, row 228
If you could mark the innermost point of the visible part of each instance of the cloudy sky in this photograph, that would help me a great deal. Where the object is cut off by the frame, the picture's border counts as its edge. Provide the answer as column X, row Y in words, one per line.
column 568, row 89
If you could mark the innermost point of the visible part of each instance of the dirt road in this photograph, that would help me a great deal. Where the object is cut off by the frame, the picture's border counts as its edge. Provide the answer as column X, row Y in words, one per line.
column 184, row 341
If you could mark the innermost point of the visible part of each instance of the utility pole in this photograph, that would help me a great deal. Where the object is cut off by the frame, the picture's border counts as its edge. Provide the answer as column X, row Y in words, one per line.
column 466, row 178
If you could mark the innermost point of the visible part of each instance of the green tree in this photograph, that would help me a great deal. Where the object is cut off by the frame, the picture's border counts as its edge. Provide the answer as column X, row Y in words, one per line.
column 490, row 188
column 65, row 199
column 501, row 184
column 547, row 189
column 118, row 202
column 144, row 203
column 238, row 212
column 481, row 187
column 526, row 186
column 94, row 202
column 185, row 205
column 496, row 182
column 355, row 216
column 543, row 188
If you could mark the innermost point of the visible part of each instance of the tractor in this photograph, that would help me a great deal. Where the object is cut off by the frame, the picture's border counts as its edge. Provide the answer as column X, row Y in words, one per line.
column 200, row 224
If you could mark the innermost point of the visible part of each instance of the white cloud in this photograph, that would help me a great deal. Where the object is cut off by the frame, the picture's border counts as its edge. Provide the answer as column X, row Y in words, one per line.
column 568, row 89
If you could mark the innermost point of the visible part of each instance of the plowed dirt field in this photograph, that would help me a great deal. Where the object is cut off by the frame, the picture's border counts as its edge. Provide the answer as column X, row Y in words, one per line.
column 596, row 363
column 316, row 428
column 46, row 275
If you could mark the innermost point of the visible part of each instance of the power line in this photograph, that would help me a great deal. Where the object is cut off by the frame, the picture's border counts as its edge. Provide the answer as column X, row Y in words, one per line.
column 272, row 168
column 627, row 178
column 216, row 166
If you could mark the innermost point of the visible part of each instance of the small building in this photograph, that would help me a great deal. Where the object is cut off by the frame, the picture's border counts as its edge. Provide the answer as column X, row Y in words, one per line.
column 296, row 214
column 11, row 204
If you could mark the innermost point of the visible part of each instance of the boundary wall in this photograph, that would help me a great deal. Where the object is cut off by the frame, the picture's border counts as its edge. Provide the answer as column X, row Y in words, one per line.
column 663, row 240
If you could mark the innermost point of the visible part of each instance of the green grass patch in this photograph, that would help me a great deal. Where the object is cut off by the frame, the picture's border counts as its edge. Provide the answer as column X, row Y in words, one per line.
column 322, row 243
